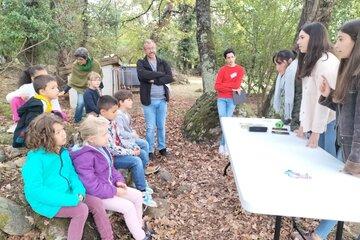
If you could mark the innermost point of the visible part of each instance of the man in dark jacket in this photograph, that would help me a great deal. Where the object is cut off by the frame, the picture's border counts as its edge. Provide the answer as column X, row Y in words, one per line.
column 154, row 74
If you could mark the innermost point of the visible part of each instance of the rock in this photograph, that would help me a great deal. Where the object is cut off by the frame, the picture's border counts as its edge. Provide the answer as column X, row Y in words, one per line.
column 13, row 219
column 11, row 152
column 19, row 162
column 9, row 165
column 165, row 175
column 159, row 212
column 184, row 187
column 6, row 138
column 2, row 155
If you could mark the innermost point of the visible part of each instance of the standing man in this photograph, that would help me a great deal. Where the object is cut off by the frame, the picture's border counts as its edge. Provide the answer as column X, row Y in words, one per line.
column 154, row 73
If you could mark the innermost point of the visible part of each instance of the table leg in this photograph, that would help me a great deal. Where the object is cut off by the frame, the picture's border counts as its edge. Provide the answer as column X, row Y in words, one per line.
column 277, row 227
column 339, row 230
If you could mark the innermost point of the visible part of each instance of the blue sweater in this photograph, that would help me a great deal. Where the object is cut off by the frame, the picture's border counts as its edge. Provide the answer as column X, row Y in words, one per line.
column 91, row 98
column 50, row 182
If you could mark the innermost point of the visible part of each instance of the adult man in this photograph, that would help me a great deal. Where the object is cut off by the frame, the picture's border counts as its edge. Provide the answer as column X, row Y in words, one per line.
column 154, row 73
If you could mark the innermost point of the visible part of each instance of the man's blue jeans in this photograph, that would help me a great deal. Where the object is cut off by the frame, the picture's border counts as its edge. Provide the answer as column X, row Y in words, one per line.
column 328, row 138
column 136, row 167
column 225, row 108
column 155, row 118
column 79, row 110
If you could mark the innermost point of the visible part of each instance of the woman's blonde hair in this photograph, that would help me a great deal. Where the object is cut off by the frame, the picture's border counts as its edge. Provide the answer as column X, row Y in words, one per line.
column 41, row 132
column 93, row 75
column 91, row 126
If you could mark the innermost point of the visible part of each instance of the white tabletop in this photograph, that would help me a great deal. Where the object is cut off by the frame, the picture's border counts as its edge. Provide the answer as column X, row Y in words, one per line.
column 259, row 161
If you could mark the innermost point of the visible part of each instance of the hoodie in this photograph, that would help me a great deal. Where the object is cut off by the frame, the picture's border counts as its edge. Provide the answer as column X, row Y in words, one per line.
column 96, row 170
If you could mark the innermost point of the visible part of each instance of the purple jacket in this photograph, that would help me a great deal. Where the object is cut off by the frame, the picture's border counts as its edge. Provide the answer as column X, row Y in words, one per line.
column 96, row 173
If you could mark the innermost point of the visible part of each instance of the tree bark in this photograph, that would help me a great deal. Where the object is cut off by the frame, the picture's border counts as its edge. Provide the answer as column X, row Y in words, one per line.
column 204, row 38
column 85, row 20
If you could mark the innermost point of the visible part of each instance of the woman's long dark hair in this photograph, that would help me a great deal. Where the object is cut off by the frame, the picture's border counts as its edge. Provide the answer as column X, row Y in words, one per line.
column 26, row 75
column 284, row 55
column 349, row 70
column 317, row 46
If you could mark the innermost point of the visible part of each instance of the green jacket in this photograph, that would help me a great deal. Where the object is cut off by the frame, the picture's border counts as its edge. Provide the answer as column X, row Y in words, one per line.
column 50, row 182
column 78, row 79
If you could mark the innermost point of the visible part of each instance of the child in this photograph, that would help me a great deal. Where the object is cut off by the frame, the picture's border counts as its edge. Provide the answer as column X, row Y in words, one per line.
column 25, row 91
column 94, row 164
column 92, row 93
column 46, row 89
column 51, row 185
column 125, row 158
column 123, row 120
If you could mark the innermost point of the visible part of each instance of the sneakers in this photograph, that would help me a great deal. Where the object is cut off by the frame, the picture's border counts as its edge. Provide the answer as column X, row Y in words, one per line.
column 151, row 156
column 12, row 128
column 151, row 169
column 163, row 152
column 148, row 189
column 148, row 201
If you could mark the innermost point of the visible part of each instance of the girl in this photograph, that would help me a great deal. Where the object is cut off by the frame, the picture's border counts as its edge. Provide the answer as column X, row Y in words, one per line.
column 51, row 185
column 286, row 66
column 228, row 80
column 26, row 90
column 316, row 61
column 92, row 93
column 94, row 164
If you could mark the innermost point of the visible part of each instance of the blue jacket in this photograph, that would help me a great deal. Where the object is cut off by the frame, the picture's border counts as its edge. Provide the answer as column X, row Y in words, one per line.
column 50, row 182
column 91, row 97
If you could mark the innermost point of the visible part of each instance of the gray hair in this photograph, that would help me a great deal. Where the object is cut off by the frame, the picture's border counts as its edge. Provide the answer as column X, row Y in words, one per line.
column 82, row 53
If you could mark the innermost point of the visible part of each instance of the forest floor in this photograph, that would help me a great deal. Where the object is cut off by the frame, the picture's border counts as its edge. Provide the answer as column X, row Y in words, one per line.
column 196, row 200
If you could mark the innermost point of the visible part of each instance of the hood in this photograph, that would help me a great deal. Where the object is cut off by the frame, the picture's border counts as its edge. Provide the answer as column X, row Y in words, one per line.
column 78, row 150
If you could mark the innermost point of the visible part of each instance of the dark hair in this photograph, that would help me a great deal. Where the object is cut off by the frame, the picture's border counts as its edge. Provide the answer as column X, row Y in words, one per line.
column 318, row 44
column 229, row 50
column 41, row 132
column 40, row 82
column 123, row 94
column 27, row 74
column 284, row 55
column 106, row 102
column 349, row 70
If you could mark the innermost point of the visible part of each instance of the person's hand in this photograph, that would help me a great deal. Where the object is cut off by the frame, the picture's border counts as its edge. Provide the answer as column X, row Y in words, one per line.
column 136, row 151
column 121, row 185
column 120, row 191
column 62, row 93
column 313, row 140
column 324, row 87
column 24, row 97
column 300, row 132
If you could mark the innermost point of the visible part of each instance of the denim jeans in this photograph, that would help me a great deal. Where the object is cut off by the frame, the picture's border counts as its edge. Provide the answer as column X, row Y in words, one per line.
column 80, row 107
column 143, row 144
column 325, row 226
column 136, row 167
column 225, row 108
column 328, row 138
column 155, row 117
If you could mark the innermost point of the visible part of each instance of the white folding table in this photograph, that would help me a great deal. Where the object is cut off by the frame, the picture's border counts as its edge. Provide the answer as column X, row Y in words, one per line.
column 259, row 161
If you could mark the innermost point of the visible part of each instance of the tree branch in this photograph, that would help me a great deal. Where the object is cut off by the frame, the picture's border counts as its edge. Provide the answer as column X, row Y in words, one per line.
column 132, row 19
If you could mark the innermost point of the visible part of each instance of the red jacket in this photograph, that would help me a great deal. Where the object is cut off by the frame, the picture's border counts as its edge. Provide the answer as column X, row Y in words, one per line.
column 228, row 78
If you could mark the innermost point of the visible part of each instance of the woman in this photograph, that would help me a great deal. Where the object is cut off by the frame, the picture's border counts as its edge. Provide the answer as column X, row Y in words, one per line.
column 83, row 65
column 228, row 80
column 346, row 101
column 315, row 61
column 286, row 66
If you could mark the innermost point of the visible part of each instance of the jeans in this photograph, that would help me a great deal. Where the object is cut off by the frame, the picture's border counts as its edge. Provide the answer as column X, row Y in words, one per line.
column 143, row 144
column 136, row 166
column 155, row 117
column 328, row 138
column 325, row 226
column 225, row 108
column 80, row 107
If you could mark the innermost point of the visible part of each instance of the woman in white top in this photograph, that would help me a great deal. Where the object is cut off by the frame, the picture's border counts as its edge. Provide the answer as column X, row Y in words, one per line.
column 316, row 62
column 25, row 91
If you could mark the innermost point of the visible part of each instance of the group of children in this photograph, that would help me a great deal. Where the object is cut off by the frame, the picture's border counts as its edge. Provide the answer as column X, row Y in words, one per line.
column 67, row 183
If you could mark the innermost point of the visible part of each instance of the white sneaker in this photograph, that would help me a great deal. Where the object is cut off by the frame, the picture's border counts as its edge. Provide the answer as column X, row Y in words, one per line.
column 12, row 128
column 221, row 149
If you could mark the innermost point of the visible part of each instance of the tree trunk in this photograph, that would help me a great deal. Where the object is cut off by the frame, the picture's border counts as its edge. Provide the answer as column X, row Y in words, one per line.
column 85, row 20
column 313, row 10
column 205, row 44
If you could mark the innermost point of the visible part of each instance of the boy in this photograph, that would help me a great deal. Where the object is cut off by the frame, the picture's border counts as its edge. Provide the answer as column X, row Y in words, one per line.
column 125, row 157
column 46, row 89
column 92, row 93
column 127, row 134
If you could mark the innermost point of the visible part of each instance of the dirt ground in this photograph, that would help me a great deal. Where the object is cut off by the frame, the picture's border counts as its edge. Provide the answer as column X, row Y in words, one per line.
column 197, row 202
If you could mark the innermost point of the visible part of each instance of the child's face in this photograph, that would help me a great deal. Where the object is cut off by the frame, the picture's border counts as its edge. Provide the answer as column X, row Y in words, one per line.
column 126, row 104
column 109, row 114
column 51, row 90
column 94, row 83
column 101, row 138
column 59, row 134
